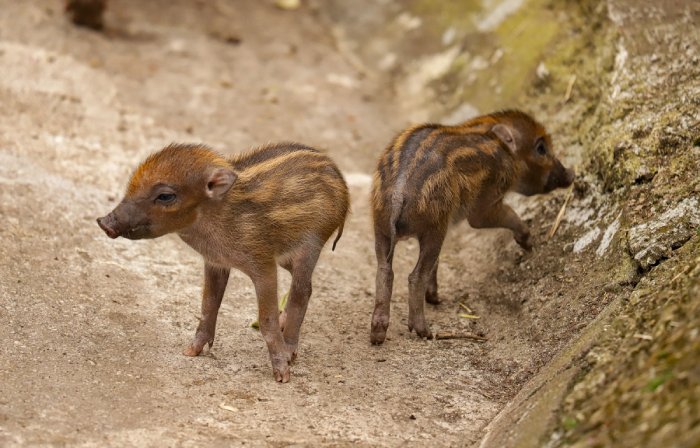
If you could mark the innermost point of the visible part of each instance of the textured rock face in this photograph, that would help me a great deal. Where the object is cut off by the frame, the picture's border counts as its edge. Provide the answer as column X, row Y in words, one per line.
column 635, row 380
column 653, row 241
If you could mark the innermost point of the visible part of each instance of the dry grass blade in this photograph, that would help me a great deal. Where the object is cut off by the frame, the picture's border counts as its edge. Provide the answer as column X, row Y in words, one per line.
column 283, row 301
column 646, row 337
column 457, row 335
column 570, row 88
column 469, row 316
column 560, row 215
column 288, row 5
column 466, row 308
column 226, row 407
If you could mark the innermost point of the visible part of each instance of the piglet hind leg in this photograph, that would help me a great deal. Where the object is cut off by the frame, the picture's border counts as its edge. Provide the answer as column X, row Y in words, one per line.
column 384, row 287
column 215, row 281
column 265, row 281
column 303, row 265
column 419, row 280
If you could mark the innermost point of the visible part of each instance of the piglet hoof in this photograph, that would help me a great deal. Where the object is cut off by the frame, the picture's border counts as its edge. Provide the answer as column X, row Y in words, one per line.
column 421, row 330
column 378, row 333
column 281, row 371
column 193, row 350
column 424, row 333
column 281, row 376
column 525, row 242
column 197, row 345
column 377, row 337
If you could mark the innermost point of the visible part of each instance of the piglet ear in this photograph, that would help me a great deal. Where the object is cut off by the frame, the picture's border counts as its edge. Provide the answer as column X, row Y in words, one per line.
column 219, row 182
column 505, row 134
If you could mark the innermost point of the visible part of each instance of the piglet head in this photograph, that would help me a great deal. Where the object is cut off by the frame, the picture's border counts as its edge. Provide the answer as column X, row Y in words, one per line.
column 167, row 191
column 539, row 169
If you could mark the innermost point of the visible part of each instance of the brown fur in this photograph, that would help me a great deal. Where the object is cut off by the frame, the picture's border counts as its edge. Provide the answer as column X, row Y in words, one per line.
column 432, row 175
column 277, row 204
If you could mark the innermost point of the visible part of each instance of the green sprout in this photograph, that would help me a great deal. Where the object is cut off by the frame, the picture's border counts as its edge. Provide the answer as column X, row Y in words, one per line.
column 569, row 423
column 282, row 304
column 658, row 381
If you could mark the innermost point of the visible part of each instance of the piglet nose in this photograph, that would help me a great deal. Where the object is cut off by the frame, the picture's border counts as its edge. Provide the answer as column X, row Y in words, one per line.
column 106, row 223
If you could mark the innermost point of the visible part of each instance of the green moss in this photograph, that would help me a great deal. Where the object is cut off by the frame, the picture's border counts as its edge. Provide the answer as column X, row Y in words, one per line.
column 459, row 14
column 525, row 38
column 569, row 423
column 626, row 270
column 634, row 405
column 658, row 381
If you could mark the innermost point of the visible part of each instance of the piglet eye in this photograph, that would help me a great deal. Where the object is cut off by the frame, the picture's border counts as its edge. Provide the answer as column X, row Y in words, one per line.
column 166, row 198
column 541, row 148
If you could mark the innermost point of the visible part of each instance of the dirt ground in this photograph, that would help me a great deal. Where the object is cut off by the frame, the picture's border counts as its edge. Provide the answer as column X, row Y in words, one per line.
column 94, row 329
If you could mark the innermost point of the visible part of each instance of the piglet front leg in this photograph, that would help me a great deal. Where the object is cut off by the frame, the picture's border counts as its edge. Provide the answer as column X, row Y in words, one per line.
column 501, row 215
column 215, row 281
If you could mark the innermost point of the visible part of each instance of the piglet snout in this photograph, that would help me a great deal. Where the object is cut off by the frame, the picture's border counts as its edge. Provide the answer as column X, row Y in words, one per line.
column 559, row 177
column 569, row 177
column 108, row 224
